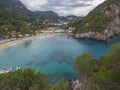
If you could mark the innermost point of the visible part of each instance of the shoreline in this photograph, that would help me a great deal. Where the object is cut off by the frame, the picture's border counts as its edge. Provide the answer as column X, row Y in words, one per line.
column 21, row 40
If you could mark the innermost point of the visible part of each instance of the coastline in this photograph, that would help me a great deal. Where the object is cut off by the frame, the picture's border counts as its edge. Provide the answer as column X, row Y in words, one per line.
column 20, row 40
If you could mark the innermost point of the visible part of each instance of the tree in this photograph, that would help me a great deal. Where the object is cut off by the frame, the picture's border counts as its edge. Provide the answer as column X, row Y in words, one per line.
column 108, row 75
column 83, row 65
column 23, row 80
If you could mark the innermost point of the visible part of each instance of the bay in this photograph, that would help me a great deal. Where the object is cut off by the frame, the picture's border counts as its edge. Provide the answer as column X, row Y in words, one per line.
column 53, row 56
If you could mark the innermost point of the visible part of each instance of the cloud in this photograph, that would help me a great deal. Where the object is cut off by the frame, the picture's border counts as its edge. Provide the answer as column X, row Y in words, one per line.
column 63, row 7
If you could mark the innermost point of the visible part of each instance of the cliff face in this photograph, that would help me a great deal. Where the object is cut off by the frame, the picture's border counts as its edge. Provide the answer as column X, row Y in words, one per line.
column 101, row 27
column 114, row 12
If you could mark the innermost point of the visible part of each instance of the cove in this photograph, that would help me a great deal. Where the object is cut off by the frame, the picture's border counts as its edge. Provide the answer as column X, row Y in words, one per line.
column 53, row 56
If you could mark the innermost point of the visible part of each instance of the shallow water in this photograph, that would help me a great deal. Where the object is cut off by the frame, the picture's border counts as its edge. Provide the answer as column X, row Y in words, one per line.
column 53, row 56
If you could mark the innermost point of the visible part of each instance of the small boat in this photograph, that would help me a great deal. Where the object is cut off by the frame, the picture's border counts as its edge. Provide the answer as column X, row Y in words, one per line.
column 68, row 37
column 5, row 69
column 18, row 67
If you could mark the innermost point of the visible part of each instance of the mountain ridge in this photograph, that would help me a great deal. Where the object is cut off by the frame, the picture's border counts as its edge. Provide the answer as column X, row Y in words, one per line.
column 18, row 8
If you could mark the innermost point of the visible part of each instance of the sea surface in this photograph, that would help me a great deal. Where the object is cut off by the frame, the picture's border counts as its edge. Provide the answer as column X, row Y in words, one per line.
column 53, row 56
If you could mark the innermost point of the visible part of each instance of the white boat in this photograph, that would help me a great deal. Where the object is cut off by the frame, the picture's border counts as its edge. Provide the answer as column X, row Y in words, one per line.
column 5, row 69
column 18, row 67
column 9, row 69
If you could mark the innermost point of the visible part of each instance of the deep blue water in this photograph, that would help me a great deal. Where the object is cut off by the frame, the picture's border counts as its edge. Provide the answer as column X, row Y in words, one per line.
column 53, row 56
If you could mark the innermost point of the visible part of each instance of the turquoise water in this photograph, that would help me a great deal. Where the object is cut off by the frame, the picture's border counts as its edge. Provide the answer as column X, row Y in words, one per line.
column 53, row 56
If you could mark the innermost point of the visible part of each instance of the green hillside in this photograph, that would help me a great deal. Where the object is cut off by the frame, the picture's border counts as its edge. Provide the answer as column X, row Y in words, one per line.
column 97, row 20
column 12, row 22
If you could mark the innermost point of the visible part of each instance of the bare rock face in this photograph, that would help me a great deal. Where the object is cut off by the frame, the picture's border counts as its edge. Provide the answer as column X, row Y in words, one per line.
column 111, row 30
column 114, row 12
column 77, row 85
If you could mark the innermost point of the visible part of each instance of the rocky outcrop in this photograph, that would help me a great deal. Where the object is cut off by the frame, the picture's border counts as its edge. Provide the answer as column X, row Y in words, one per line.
column 77, row 85
column 107, row 34
column 111, row 30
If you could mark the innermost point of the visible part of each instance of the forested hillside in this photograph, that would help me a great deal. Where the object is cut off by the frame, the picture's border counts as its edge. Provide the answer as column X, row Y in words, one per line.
column 11, row 22
column 101, row 23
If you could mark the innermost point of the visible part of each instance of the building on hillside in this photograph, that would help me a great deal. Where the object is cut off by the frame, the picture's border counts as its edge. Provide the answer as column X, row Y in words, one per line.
column 71, row 28
column 60, row 31
column 13, row 34
column 27, row 35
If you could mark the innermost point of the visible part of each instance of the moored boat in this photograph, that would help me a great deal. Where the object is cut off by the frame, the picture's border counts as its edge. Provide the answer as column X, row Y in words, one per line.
column 5, row 69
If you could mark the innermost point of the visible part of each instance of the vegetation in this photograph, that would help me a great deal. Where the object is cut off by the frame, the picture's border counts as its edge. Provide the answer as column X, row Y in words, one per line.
column 28, row 80
column 96, row 20
column 22, row 80
column 102, row 74
column 12, row 22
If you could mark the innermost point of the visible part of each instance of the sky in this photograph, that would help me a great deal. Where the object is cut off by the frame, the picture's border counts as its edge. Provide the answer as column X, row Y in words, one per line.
column 63, row 7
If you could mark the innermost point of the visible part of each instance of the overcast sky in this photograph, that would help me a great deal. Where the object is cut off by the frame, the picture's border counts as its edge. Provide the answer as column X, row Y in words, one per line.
column 63, row 7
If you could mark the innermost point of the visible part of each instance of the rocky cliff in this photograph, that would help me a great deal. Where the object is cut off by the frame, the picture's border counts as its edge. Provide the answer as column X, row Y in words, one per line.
column 102, row 23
